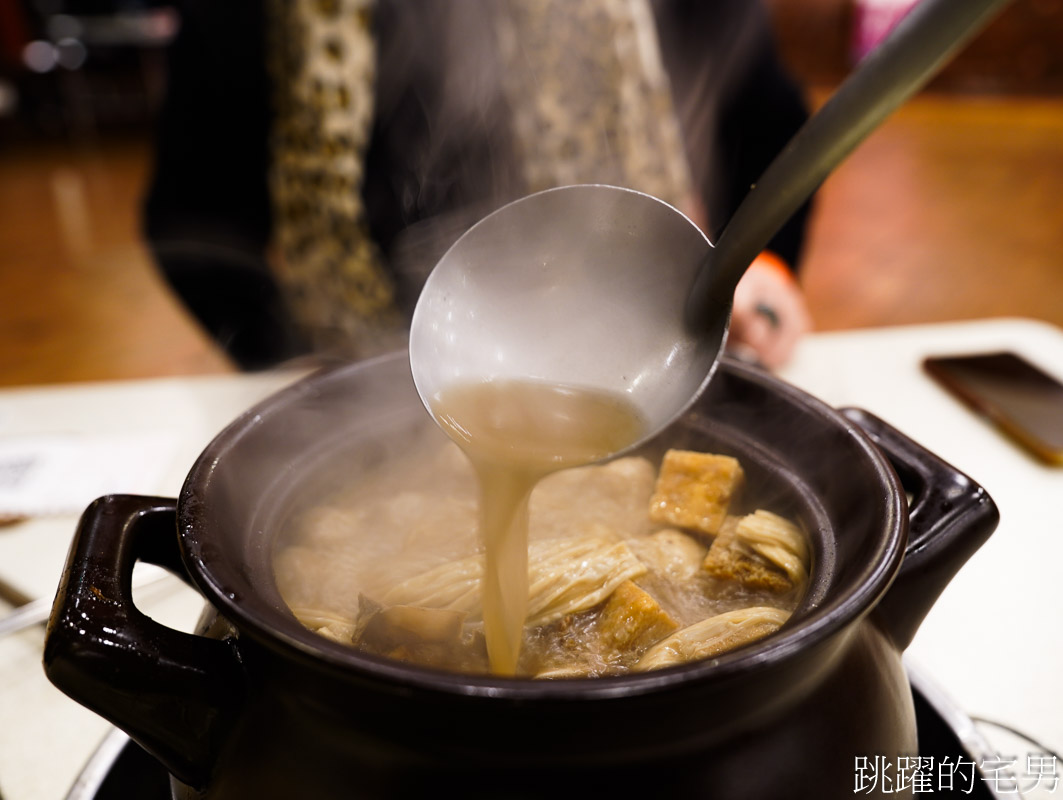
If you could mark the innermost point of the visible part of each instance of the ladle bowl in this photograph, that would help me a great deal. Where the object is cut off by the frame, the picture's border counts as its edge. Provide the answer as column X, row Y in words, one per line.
column 532, row 289
column 610, row 290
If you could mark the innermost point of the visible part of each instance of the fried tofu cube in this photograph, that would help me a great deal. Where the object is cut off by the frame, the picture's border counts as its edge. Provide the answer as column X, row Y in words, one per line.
column 694, row 490
column 632, row 620
column 761, row 551
column 628, row 622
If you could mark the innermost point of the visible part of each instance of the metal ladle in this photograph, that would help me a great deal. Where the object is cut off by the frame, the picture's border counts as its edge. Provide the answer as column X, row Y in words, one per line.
column 609, row 289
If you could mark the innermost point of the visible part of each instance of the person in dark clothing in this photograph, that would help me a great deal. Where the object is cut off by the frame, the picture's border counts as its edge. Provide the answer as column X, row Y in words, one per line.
column 316, row 157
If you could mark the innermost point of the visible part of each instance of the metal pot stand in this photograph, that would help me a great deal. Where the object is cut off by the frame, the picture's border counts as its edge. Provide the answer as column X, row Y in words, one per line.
column 120, row 768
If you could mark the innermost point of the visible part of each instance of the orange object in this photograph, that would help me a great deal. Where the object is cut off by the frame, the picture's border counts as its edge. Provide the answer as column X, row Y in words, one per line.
column 769, row 259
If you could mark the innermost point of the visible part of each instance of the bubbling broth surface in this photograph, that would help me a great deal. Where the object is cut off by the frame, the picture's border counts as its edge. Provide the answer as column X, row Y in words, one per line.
column 635, row 564
column 515, row 433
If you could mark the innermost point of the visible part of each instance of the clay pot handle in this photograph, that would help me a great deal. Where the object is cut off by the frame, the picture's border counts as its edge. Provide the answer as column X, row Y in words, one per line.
column 172, row 692
column 950, row 517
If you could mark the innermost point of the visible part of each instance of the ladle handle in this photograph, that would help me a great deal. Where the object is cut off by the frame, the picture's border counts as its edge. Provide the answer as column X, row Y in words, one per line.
column 175, row 694
column 920, row 45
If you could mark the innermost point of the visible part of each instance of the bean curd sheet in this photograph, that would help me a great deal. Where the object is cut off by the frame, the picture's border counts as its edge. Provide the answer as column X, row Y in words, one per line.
column 644, row 562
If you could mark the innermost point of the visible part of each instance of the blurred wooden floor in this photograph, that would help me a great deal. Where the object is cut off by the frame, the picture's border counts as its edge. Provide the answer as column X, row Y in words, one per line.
column 79, row 297
column 952, row 210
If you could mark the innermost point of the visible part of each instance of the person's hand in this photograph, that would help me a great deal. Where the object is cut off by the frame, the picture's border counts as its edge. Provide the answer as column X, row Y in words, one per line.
column 770, row 314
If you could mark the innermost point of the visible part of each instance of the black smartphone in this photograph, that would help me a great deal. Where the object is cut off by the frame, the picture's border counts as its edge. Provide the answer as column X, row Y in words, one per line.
column 1020, row 398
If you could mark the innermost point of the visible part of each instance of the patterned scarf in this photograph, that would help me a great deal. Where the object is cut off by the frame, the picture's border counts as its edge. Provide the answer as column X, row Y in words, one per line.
column 588, row 102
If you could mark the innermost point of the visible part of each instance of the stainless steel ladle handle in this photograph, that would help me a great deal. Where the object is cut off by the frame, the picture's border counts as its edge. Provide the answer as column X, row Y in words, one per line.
column 917, row 48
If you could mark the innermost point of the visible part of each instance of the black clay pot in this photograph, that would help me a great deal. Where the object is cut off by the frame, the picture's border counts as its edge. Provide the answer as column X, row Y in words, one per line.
column 259, row 707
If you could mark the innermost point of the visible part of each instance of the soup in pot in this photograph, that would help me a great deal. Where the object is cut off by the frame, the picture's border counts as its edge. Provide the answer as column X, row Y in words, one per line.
column 640, row 563
column 516, row 432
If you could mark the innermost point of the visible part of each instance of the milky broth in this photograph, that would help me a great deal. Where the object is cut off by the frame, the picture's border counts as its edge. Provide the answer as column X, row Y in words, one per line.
column 515, row 433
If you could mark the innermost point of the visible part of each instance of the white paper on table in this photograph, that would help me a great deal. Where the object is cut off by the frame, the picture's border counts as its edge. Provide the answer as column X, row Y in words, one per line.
column 56, row 474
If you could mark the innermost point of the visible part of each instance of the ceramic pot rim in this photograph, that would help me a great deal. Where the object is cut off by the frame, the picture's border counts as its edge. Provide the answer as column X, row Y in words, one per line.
column 283, row 635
